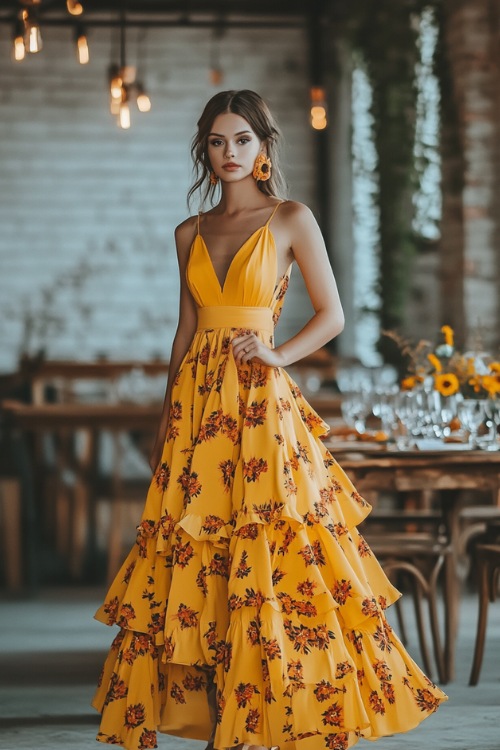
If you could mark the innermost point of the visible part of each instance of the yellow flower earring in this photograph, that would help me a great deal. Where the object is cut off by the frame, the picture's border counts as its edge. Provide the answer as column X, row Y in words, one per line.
column 213, row 178
column 262, row 168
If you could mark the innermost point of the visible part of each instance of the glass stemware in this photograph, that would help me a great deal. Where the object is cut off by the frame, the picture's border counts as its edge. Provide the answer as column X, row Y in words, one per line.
column 355, row 409
column 472, row 413
column 492, row 409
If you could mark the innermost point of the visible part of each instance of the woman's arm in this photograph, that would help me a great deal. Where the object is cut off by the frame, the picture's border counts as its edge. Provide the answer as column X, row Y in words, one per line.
column 299, row 229
column 183, row 336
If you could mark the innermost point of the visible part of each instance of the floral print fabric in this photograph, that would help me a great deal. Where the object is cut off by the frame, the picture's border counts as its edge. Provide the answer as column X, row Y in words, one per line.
column 250, row 601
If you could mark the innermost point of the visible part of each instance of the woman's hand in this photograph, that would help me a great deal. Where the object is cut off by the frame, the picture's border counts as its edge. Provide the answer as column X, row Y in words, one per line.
column 249, row 348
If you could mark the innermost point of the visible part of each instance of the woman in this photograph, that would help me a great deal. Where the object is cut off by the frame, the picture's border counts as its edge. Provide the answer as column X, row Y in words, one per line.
column 251, row 609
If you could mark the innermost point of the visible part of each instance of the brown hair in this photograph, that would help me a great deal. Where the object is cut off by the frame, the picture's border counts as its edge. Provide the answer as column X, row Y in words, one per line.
column 253, row 108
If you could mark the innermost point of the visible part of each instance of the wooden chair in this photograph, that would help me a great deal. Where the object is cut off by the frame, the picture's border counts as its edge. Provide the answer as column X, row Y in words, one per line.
column 418, row 551
column 10, row 526
column 488, row 567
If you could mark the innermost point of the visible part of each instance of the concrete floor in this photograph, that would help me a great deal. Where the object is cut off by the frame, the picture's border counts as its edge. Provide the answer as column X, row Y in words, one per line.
column 51, row 651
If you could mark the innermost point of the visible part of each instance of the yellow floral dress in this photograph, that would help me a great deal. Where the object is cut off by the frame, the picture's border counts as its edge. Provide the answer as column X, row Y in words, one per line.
column 249, row 582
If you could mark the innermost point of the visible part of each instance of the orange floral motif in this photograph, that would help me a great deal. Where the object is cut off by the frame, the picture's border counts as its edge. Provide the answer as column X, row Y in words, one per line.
column 162, row 476
column 382, row 639
column 127, row 613
column 369, row 607
column 270, row 511
column 382, row 670
column 271, row 649
column 243, row 569
column 227, row 468
column 111, row 609
column 313, row 554
column 252, row 721
column 219, row 565
column 253, row 633
column 253, row 468
column 333, row 716
column 388, row 691
column 204, row 354
column 358, row 499
column 187, row 617
column 363, row 548
column 343, row 668
column 255, row 413
column 183, row 553
column 177, row 693
column 306, row 588
column 356, row 639
column 324, row 690
column 157, row 623
column 244, row 693
column 249, row 531
column 190, row 483
column 426, row 701
column 194, row 682
column 147, row 739
column 135, row 715
column 277, row 576
column 376, row 703
column 117, row 689
column 128, row 572
column 305, row 638
column 337, row 741
column 212, row 524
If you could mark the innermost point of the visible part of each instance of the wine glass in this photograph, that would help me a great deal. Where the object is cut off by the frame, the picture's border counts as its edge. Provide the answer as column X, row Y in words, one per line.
column 472, row 413
column 355, row 408
column 492, row 409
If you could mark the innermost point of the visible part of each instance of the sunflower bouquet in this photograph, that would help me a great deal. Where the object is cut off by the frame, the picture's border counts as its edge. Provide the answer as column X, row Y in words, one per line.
column 448, row 371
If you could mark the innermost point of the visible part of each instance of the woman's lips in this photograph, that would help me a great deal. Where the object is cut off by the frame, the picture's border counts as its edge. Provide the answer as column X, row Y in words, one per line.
column 231, row 167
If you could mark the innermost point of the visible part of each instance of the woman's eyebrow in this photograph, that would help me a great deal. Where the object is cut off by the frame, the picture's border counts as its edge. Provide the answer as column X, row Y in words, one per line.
column 241, row 132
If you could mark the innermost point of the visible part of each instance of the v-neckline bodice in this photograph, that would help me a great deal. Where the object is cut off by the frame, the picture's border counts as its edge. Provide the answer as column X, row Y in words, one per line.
column 236, row 254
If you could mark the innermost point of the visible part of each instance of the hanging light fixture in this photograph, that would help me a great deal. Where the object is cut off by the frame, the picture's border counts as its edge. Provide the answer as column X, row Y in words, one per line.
column 32, row 36
column 143, row 100
column 124, row 111
column 18, row 48
column 319, row 119
column 82, row 45
column 74, row 7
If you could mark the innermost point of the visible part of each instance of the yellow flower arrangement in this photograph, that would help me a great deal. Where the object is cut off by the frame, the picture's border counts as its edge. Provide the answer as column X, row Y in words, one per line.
column 452, row 372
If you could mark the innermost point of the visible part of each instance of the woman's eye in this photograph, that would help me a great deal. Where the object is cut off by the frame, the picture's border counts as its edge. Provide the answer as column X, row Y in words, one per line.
column 215, row 143
column 244, row 140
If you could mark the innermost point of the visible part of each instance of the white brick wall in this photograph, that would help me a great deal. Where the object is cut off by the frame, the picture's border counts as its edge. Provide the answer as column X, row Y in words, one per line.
column 78, row 194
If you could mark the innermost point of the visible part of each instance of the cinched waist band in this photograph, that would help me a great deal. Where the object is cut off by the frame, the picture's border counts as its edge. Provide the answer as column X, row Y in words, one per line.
column 236, row 316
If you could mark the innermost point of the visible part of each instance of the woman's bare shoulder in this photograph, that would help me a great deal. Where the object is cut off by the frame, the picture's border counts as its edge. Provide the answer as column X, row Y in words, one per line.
column 185, row 232
column 295, row 211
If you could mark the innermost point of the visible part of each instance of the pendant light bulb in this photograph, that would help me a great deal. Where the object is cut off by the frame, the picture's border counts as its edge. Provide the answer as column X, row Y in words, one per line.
column 319, row 120
column 82, row 45
column 18, row 46
column 74, row 7
column 124, row 113
column 143, row 100
column 124, row 116
column 32, row 35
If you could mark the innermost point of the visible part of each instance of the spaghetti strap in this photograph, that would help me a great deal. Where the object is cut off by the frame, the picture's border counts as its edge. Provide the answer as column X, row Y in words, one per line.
column 198, row 222
column 274, row 211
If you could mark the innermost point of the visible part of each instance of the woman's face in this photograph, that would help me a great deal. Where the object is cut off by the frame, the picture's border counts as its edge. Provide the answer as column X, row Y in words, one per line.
column 232, row 147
